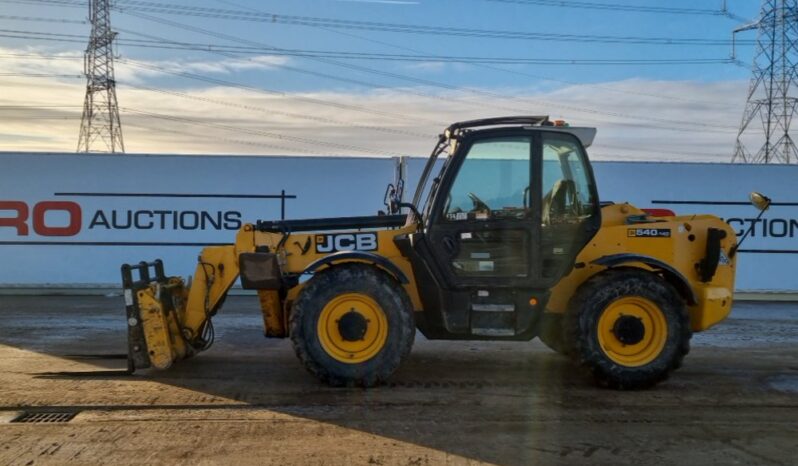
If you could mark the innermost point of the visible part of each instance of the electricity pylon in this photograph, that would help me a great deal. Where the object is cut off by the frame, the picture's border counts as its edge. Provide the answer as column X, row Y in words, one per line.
column 100, row 128
column 771, row 94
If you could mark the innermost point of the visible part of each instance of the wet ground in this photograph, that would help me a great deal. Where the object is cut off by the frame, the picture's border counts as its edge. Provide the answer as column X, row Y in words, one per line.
column 248, row 400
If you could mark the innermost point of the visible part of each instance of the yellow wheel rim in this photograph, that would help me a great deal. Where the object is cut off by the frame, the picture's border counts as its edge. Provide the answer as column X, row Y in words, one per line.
column 632, row 331
column 366, row 312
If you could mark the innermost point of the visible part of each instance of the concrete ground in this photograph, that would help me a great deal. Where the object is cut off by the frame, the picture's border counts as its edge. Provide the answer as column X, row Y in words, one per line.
column 248, row 400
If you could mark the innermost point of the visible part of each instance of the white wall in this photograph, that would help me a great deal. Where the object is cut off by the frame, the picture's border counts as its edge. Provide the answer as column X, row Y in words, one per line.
column 321, row 186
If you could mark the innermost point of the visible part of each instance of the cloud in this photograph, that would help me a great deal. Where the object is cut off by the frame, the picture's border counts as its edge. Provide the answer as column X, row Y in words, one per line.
column 139, row 71
column 260, row 62
column 432, row 66
column 637, row 119
column 35, row 61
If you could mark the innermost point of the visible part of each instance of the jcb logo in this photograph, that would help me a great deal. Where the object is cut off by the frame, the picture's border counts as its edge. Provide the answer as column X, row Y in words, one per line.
column 17, row 215
column 346, row 242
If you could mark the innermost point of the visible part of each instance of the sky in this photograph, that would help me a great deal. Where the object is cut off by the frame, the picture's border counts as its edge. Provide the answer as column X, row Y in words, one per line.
column 382, row 77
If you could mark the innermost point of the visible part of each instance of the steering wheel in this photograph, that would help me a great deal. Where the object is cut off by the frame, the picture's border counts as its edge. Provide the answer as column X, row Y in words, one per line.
column 479, row 204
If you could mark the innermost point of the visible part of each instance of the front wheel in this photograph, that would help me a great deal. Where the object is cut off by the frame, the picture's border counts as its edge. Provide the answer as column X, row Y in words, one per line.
column 628, row 327
column 352, row 325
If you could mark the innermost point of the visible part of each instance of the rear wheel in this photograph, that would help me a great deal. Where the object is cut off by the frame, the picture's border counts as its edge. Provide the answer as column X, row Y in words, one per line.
column 629, row 328
column 352, row 325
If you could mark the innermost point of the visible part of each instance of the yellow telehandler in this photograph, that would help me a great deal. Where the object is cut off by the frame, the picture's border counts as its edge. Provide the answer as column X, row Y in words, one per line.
column 505, row 239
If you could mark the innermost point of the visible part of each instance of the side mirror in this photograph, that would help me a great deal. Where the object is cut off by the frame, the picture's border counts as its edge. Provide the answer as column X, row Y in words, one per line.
column 760, row 201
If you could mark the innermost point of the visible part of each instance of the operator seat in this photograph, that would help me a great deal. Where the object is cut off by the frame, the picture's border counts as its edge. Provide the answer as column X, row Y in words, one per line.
column 555, row 202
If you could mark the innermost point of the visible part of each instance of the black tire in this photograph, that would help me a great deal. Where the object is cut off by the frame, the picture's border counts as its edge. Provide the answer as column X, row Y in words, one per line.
column 352, row 278
column 581, row 327
column 550, row 332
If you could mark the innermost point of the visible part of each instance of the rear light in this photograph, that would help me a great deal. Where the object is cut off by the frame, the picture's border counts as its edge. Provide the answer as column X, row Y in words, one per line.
column 660, row 212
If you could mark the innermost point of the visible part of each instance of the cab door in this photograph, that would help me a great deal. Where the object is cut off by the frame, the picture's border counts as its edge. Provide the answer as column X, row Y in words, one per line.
column 483, row 225
column 570, row 212
column 500, row 240
column 482, row 231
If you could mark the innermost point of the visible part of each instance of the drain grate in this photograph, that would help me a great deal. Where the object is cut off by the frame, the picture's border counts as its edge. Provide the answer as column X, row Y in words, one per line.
column 45, row 417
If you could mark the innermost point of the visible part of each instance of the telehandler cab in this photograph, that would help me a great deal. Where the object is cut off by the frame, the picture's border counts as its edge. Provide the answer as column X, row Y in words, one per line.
column 505, row 239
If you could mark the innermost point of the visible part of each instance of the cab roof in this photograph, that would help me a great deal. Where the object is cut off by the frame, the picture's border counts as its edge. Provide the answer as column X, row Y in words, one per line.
column 584, row 134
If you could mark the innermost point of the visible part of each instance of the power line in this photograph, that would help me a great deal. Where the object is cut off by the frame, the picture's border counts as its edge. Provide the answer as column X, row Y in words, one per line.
column 290, row 68
column 197, row 122
column 447, row 99
column 277, row 18
column 216, row 138
column 481, row 65
column 23, row 117
column 167, row 8
column 501, row 96
column 58, row 3
column 312, row 100
column 347, row 66
column 490, row 94
column 40, row 19
column 438, row 84
column 417, row 81
column 176, row 45
column 491, row 67
column 723, row 11
column 272, row 111
column 617, row 7
column 405, row 77
column 660, row 151
column 132, row 122
column 382, row 73
column 219, row 35
column 269, row 92
column 286, row 148
column 42, row 75
column 456, row 88
column 35, row 35
column 256, row 132
column 37, row 56
column 39, row 106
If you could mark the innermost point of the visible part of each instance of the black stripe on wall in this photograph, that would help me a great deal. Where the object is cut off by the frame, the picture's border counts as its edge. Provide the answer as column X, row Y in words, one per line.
column 178, row 195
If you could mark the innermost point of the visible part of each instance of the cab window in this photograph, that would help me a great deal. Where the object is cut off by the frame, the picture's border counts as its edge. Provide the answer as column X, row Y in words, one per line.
column 492, row 182
column 567, row 193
